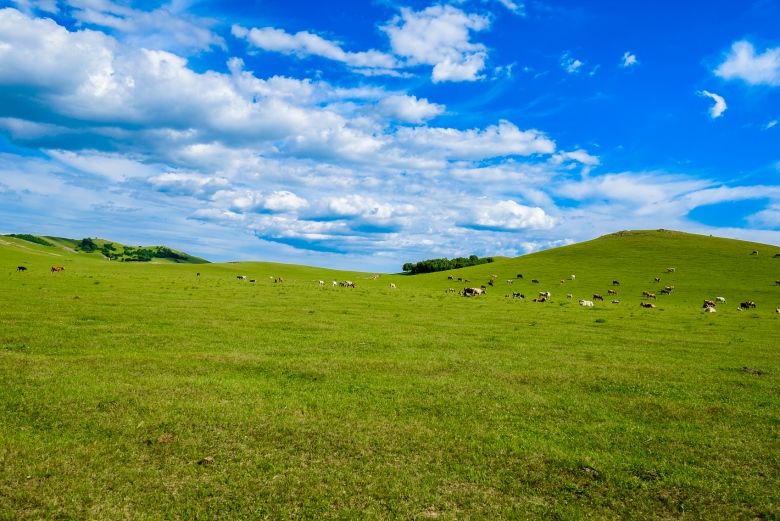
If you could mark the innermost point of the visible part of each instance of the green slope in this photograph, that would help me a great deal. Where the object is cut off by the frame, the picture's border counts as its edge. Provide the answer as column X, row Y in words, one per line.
column 118, row 251
column 145, row 391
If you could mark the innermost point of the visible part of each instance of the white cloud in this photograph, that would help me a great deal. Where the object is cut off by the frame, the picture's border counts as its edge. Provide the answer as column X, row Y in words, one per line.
column 629, row 60
column 518, row 9
column 770, row 124
column 743, row 63
column 504, row 139
column 719, row 107
column 304, row 43
column 579, row 155
column 510, row 216
column 440, row 36
column 571, row 64
column 188, row 183
column 409, row 109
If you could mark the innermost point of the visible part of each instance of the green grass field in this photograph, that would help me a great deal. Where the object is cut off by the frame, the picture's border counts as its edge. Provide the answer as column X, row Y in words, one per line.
column 140, row 391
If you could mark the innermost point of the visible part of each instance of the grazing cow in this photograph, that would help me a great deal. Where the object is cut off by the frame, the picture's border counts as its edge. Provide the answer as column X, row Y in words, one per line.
column 466, row 280
column 722, row 300
column 616, row 301
column 21, row 268
column 776, row 255
column 545, row 294
column 710, row 309
column 55, row 269
column 509, row 281
column 541, row 299
column 449, row 290
column 777, row 283
column 322, row 283
column 241, row 277
column 490, row 283
column 572, row 277
column 747, row 304
column 494, row 276
column 667, row 290
column 754, row 252
column 334, row 283
column 569, row 296
column 586, row 303
column 460, row 279
column 517, row 295
column 197, row 274
column 670, row 270
column 563, row 281
column 278, row 280
column 647, row 305
column 616, row 283
column 253, row 281
column 473, row 292
column 657, row 279
column 347, row 284
column 596, row 296
column 648, row 294
column 777, row 311
column 449, row 277
column 520, row 275
column 709, row 304
column 534, row 281
column 611, row 292
column 392, row 285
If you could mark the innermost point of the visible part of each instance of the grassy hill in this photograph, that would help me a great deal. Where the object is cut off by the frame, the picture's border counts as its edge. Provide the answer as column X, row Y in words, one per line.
column 108, row 250
column 142, row 390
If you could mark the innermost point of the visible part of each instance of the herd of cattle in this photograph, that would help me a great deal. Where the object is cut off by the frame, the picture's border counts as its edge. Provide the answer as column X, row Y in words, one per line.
column 709, row 305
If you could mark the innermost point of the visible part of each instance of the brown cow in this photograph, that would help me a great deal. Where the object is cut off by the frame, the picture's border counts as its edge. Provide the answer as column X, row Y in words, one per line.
column 646, row 305
column 648, row 294
column 708, row 304
column 611, row 292
column 55, row 269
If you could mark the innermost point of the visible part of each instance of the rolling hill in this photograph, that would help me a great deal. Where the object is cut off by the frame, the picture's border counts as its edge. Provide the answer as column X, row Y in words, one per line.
column 145, row 390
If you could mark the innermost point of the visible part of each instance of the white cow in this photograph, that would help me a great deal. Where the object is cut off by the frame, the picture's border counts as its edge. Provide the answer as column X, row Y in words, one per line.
column 392, row 285
column 720, row 299
column 334, row 283
column 573, row 277
column 586, row 303
column 322, row 283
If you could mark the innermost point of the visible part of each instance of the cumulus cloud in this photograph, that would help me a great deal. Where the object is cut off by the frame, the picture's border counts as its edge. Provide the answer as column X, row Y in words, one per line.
column 409, row 109
column 508, row 215
column 579, row 155
column 304, row 43
column 744, row 64
column 440, row 35
column 629, row 60
column 719, row 107
column 504, row 139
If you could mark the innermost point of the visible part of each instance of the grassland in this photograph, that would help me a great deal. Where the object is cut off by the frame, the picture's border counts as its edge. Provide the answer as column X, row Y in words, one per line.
column 141, row 391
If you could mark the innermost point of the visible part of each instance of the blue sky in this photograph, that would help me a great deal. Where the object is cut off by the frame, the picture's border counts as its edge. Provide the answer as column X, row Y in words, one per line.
column 368, row 134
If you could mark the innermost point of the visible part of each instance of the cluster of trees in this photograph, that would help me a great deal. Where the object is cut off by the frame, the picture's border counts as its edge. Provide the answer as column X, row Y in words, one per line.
column 31, row 238
column 130, row 253
column 431, row 265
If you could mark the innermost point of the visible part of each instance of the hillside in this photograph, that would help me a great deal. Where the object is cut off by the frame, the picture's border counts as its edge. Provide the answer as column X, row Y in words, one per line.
column 108, row 250
column 152, row 390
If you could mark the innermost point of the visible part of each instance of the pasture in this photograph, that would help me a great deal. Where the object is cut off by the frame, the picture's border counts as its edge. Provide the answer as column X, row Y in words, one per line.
column 143, row 391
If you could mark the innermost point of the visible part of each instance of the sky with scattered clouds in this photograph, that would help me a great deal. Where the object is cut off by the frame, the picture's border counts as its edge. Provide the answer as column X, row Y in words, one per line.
column 368, row 134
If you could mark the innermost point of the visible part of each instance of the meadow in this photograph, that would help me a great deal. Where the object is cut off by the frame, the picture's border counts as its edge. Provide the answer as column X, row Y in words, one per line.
column 143, row 391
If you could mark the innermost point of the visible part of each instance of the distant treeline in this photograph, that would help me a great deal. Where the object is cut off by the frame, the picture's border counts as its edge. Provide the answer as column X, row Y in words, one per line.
column 131, row 253
column 30, row 238
column 431, row 265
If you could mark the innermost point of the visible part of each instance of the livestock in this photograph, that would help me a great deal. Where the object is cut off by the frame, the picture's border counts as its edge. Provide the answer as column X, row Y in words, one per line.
column 466, row 280
column 322, row 283
column 279, row 280
column 197, row 274
column 55, row 269
column 596, row 296
column 347, row 284
column 483, row 287
column 647, row 305
column 449, row 290
column 667, row 290
column 520, row 275
column 449, row 277
column 611, row 292
column 460, row 279
column 509, row 281
column 241, row 277
column 616, row 301
column 494, row 276
column 545, row 294
column 754, row 252
column 569, row 296
column 472, row 292
column 657, row 279
column 541, row 299
column 252, row 280
column 392, row 285
column 747, row 304
column 586, row 303
column 490, row 283
column 572, row 277
column 670, row 270
column 648, row 294
column 563, row 281
column 777, row 311
column 710, row 309
column 21, row 268
column 721, row 299
column 616, row 283
column 517, row 295
column 708, row 304
column 777, row 283
column 534, row 281
column 776, row 255
column 334, row 283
